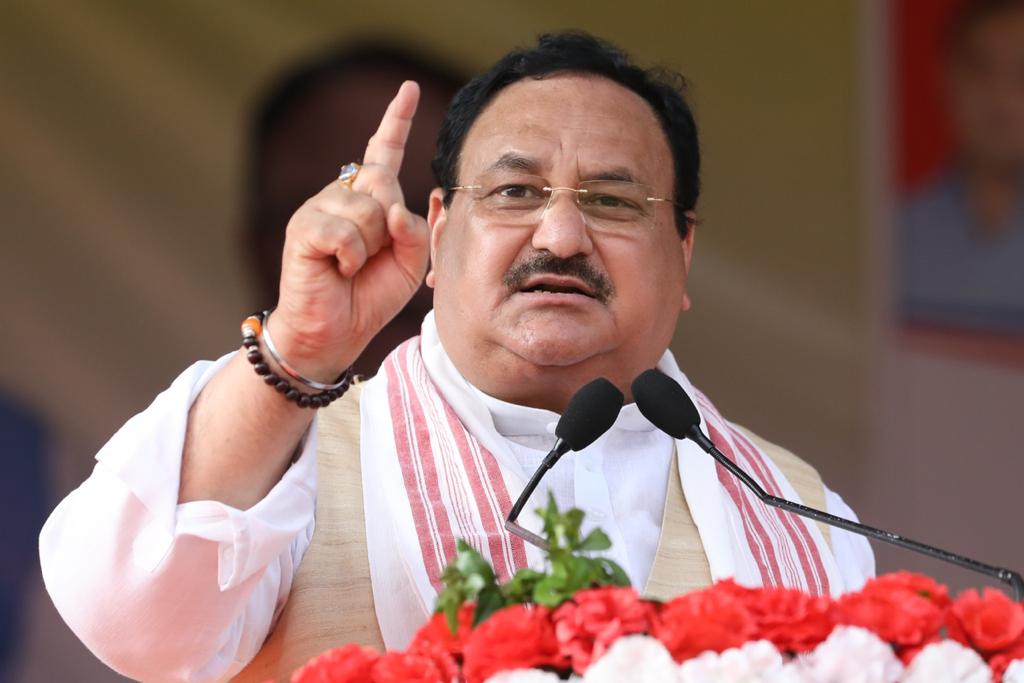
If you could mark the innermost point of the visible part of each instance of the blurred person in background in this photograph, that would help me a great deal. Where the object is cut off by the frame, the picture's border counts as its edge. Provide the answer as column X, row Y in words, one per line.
column 322, row 110
column 962, row 239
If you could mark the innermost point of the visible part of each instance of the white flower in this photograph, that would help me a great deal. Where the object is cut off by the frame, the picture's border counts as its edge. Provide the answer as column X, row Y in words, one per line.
column 950, row 662
column 634, row 659
column 851, row 655
column 755, row 662
column 1015, row 672
column 524, row 676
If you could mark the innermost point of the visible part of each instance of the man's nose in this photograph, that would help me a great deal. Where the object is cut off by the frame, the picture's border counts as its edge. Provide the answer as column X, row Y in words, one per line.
column 562, row 229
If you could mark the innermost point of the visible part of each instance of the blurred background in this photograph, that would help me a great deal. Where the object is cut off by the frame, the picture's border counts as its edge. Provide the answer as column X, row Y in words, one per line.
column 857, row 280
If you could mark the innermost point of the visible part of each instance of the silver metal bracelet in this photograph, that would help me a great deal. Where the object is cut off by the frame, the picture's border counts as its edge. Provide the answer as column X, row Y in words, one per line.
column 292, row 372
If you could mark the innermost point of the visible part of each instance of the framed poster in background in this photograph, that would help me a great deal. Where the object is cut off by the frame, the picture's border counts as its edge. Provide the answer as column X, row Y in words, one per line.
column 957, row 148
column 945, row 179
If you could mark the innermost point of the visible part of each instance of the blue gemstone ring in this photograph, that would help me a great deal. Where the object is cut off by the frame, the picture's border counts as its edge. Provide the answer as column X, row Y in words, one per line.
column 348, row 173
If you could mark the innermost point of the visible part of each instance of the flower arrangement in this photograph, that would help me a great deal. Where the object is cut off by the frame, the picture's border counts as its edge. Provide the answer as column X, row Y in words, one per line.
column 580, row 620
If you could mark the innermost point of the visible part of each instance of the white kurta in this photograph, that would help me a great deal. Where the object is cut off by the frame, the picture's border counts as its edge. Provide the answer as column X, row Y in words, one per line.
column 168, row 592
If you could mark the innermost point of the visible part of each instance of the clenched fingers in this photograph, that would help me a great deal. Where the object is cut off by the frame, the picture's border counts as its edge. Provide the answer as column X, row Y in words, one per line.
column 351, row 227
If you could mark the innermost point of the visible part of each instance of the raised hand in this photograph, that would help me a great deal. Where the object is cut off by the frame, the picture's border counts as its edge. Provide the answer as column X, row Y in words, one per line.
column 353, row 256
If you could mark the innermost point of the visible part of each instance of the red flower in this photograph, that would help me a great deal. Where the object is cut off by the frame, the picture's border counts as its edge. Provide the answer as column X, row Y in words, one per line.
column 436, row 634
column 442, row 659
column 791, row 619
column 516, row 637
column 704, row 620
column 989, row 623
column 904, row 609
column 406, row 667
column 348, row 664
column 922, row 585
column 587, row 626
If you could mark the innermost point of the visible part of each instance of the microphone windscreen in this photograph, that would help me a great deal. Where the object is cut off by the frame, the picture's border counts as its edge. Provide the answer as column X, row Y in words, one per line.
column 591, row 412
column 664, row 403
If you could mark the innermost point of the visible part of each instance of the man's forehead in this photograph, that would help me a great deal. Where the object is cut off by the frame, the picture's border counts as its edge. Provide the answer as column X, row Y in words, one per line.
column 519, row 162
column 540, row 125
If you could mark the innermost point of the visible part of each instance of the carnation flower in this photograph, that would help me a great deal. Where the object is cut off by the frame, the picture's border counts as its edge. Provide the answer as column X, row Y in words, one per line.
column 947, row 661
column 516, row 637
column 634, row 659
column 989, row 622
column 756, row 662
column 851, row 655
column 406, row 667
column 791, row 619
column 594, row 619
column 436, row 634
column 703, row 620
column 919, row 584
column 441, row 658
column 348, row 664
column 895, row 611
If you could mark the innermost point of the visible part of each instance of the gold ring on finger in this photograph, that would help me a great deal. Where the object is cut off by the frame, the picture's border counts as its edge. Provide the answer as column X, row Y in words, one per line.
column 348, row 173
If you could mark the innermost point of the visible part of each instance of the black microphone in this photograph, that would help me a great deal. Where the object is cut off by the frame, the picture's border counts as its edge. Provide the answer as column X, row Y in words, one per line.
column 666, row 405
column 590, row 413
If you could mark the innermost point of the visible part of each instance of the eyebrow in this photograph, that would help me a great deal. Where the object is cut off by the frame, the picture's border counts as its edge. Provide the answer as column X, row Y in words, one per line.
column 620, row 173
column 511, row 161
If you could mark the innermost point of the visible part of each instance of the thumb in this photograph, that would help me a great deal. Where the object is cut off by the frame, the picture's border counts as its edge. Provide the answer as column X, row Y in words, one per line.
column 410, row 240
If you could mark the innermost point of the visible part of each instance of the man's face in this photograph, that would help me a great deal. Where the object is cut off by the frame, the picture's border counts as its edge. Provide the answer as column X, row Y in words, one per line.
column 500, row 327
column 987, row 92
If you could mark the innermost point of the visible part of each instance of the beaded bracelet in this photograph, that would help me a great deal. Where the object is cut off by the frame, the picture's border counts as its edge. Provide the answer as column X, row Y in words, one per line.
column 252, row 330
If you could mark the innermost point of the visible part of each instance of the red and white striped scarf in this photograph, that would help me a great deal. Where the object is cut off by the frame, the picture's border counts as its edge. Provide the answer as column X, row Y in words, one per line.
column 454, row 485
column 456, row 488
column 783, row 544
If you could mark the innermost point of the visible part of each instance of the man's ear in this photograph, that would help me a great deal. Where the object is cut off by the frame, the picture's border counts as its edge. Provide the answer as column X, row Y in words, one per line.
column 437, row 216
column 686, row 244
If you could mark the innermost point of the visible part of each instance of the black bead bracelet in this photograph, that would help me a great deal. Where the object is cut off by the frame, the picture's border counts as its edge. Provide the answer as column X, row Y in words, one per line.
column 252, row 330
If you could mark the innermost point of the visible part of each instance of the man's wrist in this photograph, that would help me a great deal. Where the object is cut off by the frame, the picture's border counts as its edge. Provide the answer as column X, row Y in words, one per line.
column 292, row 356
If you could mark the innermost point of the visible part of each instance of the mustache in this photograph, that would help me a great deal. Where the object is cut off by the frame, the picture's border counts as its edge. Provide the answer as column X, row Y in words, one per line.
column 546, row 263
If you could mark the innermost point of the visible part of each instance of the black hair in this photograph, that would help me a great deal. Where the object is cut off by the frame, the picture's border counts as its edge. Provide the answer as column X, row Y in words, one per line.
column 580, row 52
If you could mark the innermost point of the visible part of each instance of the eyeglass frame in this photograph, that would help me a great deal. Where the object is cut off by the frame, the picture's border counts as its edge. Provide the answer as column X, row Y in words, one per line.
column 550, row 191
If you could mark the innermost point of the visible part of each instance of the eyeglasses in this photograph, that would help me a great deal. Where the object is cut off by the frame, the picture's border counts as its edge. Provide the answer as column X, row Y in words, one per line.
column 515, row 199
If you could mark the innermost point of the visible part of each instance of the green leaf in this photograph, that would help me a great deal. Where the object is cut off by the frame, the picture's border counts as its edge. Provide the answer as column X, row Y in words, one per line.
column 519, row 588
column 471, row 578
column 471, row 563
column 595, row 540
column 617, row 574
column 488, row 602
column 449, row 603
column 548, row 592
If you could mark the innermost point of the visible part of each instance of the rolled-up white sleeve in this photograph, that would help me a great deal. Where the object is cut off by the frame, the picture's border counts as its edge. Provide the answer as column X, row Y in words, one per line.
column 167, row 592
column 852, row 551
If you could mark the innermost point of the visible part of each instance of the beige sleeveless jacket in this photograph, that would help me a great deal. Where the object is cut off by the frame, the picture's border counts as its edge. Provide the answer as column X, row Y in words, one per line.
column 331, row 602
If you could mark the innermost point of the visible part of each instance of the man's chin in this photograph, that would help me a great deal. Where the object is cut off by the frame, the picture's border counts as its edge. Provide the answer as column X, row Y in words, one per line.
column 554, row 348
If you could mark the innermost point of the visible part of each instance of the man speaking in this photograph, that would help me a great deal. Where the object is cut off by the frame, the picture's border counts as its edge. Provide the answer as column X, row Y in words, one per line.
column 559, row 243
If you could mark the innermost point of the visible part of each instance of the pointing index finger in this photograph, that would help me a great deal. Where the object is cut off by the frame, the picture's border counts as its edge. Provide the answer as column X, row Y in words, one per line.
column 387, row 146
